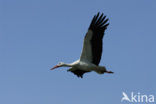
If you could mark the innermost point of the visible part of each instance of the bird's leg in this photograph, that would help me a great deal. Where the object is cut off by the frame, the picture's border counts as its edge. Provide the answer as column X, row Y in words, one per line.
column 110, row 72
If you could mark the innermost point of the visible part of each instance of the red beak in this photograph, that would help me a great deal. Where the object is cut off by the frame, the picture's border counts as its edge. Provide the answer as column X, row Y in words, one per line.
column 54, row 67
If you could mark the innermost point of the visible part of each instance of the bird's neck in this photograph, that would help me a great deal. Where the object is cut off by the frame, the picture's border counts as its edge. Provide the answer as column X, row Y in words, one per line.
column 68, row 65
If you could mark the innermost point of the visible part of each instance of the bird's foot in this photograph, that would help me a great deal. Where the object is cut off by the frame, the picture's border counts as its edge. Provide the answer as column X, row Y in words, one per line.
column 109, row 72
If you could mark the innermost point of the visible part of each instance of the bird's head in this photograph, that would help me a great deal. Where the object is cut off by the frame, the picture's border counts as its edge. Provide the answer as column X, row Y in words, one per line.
column 60, row 64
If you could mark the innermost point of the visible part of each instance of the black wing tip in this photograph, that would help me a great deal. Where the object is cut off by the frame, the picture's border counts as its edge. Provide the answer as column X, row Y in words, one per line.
column 80, row 76
column 78, row 73
column 99, row 21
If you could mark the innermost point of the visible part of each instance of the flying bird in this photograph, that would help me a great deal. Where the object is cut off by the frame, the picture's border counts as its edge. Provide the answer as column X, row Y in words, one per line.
column 92, row 49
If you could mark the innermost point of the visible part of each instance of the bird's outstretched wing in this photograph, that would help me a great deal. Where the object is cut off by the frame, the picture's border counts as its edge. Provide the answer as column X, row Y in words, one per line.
column 92, row 46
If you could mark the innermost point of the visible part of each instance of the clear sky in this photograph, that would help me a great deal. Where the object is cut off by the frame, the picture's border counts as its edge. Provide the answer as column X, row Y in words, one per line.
column 37, row 34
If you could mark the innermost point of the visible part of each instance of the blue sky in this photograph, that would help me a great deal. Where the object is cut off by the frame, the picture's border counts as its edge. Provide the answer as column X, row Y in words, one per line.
column 37, row 34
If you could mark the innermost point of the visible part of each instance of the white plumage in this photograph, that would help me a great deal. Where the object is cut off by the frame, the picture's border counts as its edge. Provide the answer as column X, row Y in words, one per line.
column 92, row 49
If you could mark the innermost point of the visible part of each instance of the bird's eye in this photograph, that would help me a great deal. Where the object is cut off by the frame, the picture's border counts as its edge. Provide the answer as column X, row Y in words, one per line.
column 60, row 63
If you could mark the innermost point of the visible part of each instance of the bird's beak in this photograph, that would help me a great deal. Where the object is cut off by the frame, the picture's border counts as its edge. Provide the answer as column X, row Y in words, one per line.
column 54, row 67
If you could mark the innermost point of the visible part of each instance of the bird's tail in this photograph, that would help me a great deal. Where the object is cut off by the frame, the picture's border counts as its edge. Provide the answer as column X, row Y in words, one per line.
column 100, row 70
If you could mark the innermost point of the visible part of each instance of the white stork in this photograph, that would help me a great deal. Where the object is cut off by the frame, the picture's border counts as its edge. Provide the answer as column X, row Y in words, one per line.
column 92, row 49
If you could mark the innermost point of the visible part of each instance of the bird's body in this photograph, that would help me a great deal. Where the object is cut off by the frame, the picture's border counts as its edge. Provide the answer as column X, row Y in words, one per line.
column 83, row 65
column 92, row 49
